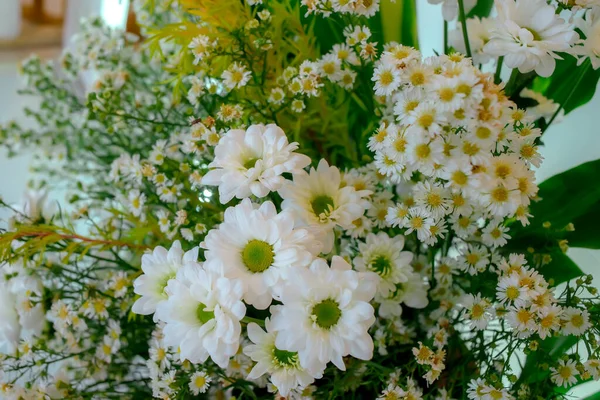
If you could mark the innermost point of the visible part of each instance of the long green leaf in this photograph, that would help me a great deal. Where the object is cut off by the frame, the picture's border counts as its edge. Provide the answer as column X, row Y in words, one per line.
column 568, row 195
column 399, row 21
column 563, row 82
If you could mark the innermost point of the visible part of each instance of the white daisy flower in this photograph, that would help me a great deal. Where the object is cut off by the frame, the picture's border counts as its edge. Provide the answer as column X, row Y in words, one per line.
column 199, row 383
column 202, row 315
column 575, row 321
column 258, row 246
column 236, row 76
column 386, row 78
column 480, row 312
column 383, row 255
column 159, row 267
column 283, row 366
column 509, row 290
column 565, row 373
column 251, row 162
column 325, row 314
column 318, row 201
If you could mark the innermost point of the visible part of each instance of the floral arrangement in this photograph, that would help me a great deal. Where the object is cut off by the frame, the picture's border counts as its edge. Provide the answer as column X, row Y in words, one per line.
column 286, row 199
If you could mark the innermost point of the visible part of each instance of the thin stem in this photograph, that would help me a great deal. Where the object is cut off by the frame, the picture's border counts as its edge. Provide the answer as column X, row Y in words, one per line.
column 497, row 78
column 463, row 22
column 573, row 89
column 445, row 37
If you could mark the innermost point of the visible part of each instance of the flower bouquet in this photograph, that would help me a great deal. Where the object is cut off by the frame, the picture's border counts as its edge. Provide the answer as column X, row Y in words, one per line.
column 285, row 199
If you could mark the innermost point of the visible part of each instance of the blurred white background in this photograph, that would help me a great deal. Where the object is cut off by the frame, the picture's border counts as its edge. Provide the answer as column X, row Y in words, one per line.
column 574, row 141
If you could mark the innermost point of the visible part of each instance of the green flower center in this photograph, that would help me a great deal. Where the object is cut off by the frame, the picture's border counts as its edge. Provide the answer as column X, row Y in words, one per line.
column 322, row 204
column 203, row 315
column 536, row 36
column 250, row 163
column 285, row 359
column 327, row 313
column 162, row 284
column 258, row 255
column 381, row 265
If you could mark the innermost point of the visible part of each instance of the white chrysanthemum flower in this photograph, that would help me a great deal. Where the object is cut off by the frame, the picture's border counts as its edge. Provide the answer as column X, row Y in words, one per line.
column 450, row 7
column 326, row 314
column 283, row 366
column 251, row 162
column 479, row 31
column 384, row 256
column 258, row 246
column 10, row 329
column 202, row 315
column 19, row 317
column 528, row 34
column 159, row 267
column 590, row 46
column 319, row 202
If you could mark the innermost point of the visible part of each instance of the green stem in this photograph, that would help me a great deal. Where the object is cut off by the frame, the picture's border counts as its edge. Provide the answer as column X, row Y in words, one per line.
column 445, row 37
column 573, row 89
column 463, row 22
column 497, row 78
column 511, row 82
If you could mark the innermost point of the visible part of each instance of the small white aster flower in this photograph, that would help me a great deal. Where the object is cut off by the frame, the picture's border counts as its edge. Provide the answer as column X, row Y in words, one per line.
column 236, row 76
column 199, row 383
column 575, row 321
column 565, row 373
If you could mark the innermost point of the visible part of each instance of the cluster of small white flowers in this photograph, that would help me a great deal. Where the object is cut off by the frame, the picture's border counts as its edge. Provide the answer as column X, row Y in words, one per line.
column 470, row 148
column 21, row 311
column 398, row 390
column 479, row 389
column 337, row 66
column 366, row 8
column 526, row 302
column 529, row 34
column 258, row 255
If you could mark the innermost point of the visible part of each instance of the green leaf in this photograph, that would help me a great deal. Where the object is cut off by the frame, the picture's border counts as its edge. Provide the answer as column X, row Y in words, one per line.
column 586, row 234
column 595, row 396
column 550, row 348
column 481, row 9
column 570, row 85
column 399, row 22
column 569, row 195
column 561, row 269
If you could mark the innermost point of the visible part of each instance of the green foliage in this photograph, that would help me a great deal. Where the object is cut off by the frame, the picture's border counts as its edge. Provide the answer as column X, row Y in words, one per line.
column 481, row 9
column 570, row 85
column 399, row 22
